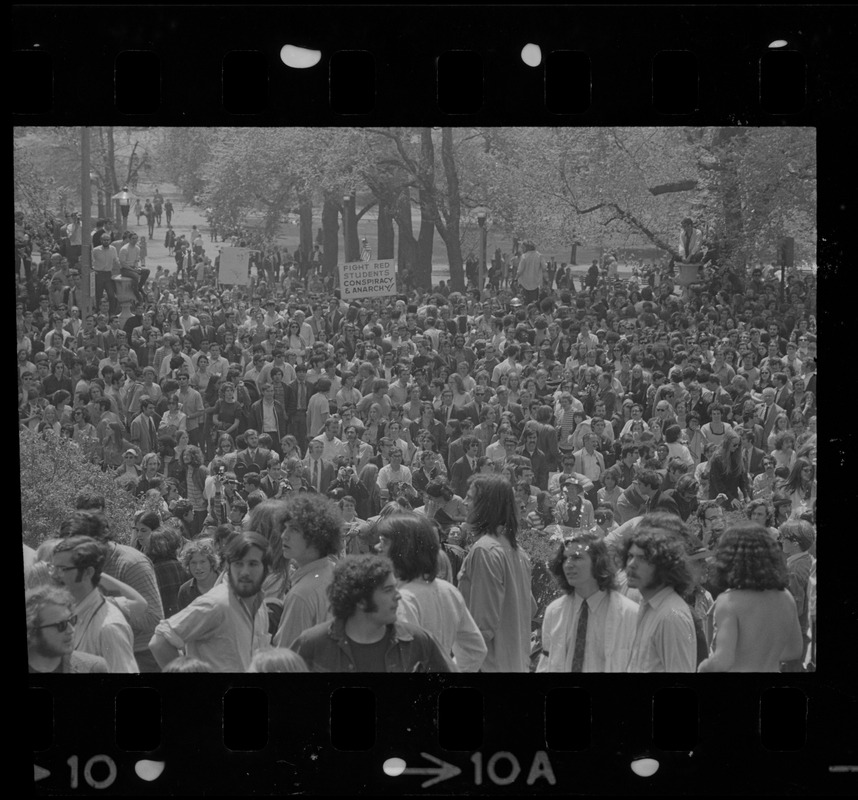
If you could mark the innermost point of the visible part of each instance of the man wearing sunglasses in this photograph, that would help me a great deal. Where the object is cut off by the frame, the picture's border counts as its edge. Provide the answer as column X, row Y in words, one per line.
column 101, row 629
column 50, row 634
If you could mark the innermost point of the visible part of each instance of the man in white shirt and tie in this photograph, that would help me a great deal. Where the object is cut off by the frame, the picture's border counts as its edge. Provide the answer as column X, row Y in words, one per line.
column 320, row 473
column 591, row 628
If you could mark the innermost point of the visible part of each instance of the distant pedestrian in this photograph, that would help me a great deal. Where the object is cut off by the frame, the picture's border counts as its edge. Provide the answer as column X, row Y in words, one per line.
column 168, row 208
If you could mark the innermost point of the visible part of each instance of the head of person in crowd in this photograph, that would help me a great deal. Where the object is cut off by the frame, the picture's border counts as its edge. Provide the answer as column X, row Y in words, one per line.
column 366, row 586
column 186, row 664
column 277, row 659
column 655, row 557
column 50, row 623
column 412, row 544
column 77, row 563
column 747, row 558
column 582, row 559
column 248, row 559
column 310, row 526
column 91, row 523
column 492, row 508
column 761, row 511
column 796, row 536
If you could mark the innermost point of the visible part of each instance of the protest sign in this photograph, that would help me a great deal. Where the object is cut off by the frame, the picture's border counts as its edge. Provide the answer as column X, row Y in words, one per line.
column 367, row 279
column 234, row 269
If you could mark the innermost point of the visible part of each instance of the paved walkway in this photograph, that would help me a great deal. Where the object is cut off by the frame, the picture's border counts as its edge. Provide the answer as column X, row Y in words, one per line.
column 184, row 218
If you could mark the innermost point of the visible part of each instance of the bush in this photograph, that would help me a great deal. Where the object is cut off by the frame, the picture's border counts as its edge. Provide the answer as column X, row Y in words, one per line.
column 540, row 552
column 54, row 471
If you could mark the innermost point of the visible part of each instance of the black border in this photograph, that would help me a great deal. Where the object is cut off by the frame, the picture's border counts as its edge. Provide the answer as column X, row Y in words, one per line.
column 83, row 41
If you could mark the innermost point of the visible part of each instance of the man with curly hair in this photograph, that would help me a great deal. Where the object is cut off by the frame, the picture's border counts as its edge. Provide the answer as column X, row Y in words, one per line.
column 365, row 635
column 656, row 565
column 599, row 638
column 756, row 623
column 312, row 526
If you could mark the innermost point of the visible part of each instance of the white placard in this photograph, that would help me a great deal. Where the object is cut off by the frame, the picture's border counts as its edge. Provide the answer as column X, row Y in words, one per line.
column 367, row 279
column 234, row 266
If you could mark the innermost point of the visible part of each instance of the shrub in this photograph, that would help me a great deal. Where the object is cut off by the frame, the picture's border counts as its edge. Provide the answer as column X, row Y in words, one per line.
column 54, row 471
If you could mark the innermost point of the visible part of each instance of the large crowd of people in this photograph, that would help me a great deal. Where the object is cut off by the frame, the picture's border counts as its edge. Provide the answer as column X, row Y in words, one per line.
column 332, row 486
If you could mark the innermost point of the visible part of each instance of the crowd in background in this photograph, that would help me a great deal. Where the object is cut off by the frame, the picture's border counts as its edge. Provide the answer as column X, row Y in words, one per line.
column 596, row 405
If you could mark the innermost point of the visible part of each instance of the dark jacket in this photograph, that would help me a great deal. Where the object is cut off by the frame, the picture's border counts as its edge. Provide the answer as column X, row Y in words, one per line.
column 325, row 648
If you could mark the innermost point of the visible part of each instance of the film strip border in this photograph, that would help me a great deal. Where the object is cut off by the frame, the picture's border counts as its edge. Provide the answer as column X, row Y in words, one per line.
column 207, row 65
column 396, row 735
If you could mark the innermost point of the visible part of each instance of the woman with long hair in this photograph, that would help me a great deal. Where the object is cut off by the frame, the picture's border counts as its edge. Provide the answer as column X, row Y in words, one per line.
column 375, row 425
column 460, row 396
column 202, row 563
column 290, row 448
column 496, row 576
column 226, row 451
column 269, row 519
column 800, row 487
column 372, row 504
column 192, row 482
column 784, row 450
column 726, row 475
column 413, row 546
column 49, row 425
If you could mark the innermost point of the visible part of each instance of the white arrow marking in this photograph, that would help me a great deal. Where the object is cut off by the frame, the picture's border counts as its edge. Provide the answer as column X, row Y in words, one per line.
column 39, row 773
column 442, row 772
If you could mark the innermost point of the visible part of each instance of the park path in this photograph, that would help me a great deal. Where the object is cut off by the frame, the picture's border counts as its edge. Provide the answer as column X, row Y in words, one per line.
column 184, row 218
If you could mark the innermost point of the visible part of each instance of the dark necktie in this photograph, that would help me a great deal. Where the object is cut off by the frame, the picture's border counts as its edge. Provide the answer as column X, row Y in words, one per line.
column 580, row 639
column 316, row 475
column 153, row 437
column 301, row 403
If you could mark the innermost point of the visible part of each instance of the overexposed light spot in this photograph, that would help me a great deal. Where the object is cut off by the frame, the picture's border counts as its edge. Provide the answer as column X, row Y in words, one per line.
column 393, row 767
column 149, row 770
column 645, row 767
column 531, row 54
column 777, row 43
column 299, row 57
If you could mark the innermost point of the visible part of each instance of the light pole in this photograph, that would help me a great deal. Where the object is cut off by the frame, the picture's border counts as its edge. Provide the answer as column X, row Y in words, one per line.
column 481, row 221
column 85, row 224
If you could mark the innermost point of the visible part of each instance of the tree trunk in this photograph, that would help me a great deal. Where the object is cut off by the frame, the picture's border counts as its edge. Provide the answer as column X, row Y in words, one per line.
column 733, row 236
column 330, row 229
column 385, row 227
column 425, row 245
column 305, row 228
column 450, row 229
column 406, row 254
column 351, row 243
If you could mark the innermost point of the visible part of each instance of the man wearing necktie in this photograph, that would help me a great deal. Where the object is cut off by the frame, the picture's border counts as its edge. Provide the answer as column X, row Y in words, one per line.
column 321, row 473
column 465, row 466
column 591, row 628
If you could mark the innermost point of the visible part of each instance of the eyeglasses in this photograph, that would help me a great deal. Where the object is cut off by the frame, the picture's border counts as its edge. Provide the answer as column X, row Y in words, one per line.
column 62, row 624
column 53, row 569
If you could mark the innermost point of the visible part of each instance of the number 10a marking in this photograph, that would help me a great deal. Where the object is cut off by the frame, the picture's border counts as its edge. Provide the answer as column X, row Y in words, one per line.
column 540, row 768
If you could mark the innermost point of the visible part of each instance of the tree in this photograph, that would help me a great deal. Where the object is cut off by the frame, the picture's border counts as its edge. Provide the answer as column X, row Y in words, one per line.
column 54, row 470
column 745, row 187
column 182, row 154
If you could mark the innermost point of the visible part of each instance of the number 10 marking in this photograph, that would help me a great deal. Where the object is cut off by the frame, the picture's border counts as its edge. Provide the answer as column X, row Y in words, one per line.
column 87, row 771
